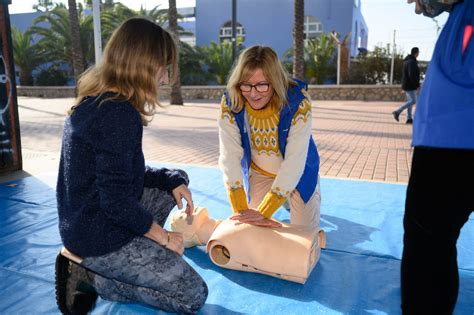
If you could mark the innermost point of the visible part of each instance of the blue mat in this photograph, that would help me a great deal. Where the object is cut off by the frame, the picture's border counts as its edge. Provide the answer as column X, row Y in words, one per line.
column 358, row 272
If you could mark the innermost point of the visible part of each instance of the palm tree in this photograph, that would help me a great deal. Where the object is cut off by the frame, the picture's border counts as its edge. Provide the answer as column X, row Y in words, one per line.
column 55, row 37
column 77, row 56
column 298, row 40
column 108, row 4
column 319, row 59
column 218, row 58
column 191, row 65
column 345, row 57
column 112, row 17
column 176, row 97
column 25, row 55
column 43, row 5
column 104, row 4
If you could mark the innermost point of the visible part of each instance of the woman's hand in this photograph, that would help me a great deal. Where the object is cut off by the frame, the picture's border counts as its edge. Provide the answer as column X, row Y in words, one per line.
column 175, row 242
column 253, row 217
column 171, row 240
column 181, row 192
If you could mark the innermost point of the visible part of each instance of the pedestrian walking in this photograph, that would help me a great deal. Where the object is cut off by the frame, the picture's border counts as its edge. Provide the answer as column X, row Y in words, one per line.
column 410, row 84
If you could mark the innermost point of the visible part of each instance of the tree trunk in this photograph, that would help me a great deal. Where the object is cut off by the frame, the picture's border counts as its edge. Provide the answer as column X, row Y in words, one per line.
column 298, row 40
column 26, row 78
column 344, row 63
column 176, row 97
column 76, row 48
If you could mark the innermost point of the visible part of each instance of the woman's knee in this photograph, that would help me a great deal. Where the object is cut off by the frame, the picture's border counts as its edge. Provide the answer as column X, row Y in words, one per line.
column 192, row 303
column 189, row 292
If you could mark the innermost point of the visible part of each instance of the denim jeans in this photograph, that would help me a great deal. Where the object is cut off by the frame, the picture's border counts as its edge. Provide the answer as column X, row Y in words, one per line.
column 411, row 100
column 143, row 271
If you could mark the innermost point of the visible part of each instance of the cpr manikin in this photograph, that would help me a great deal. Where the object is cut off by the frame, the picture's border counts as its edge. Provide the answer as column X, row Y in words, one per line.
column 289, row 252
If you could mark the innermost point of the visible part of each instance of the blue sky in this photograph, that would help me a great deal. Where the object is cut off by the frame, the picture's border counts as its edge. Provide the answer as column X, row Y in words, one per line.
column 382, row 18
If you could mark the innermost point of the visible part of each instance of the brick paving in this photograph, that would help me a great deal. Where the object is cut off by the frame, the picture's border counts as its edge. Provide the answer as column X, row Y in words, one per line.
column 355, row 139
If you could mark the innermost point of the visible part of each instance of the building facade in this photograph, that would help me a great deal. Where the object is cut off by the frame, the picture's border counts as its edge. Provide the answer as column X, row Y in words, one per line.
column 270, row 22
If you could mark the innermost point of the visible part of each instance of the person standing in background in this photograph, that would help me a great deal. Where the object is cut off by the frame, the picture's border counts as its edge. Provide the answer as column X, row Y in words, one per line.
column 410, row 84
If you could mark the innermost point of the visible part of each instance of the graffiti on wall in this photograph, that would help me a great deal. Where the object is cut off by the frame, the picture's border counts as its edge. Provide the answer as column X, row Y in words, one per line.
column 5, row 101
column 10, row 155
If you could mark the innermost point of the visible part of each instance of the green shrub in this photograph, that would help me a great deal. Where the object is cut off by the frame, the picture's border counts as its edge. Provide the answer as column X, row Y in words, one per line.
column 51, row 76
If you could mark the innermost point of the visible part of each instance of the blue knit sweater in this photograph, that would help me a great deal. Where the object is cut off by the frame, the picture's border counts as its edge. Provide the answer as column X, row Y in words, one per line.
column 101, row 178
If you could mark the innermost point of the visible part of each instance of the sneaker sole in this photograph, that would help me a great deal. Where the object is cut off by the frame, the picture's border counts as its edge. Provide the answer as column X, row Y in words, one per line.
column 62, row 273
column 83, row 302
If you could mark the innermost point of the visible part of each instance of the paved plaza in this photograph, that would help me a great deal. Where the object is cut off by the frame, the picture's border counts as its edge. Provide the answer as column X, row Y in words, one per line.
column 355, row 139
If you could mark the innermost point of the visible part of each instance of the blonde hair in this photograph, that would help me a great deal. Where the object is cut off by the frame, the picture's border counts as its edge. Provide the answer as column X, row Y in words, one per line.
column 133, row 59
column 251, row 59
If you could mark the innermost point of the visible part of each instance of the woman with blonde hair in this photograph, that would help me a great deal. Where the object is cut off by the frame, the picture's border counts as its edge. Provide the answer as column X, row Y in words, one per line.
column 267, row 153
column 111, row 206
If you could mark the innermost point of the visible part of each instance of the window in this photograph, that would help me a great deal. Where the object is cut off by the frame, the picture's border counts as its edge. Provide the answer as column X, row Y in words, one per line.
column 225, row 33
column 312, row 27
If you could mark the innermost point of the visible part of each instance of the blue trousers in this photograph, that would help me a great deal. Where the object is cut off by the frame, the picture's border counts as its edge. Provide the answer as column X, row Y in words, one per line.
column 411, row 100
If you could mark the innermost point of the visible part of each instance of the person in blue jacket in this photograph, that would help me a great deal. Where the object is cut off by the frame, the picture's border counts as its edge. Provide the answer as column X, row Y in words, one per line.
column 266, row 150
column 111, row 206
column 440, row 193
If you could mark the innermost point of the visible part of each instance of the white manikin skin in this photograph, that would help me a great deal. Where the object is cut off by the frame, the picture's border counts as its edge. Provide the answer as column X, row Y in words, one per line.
column 289, row 252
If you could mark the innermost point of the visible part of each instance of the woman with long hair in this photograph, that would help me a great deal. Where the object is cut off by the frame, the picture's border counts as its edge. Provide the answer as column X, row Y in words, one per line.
column 111, row 206
column 267, row 153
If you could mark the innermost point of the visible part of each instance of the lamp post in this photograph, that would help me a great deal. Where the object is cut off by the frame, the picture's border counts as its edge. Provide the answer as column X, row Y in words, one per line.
column 392, row 64
column 338, row 42
column 97, row 31
column 234, row 29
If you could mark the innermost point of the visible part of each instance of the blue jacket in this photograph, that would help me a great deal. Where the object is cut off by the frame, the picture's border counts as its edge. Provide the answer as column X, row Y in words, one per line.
column 309, row 179
column 445, row 110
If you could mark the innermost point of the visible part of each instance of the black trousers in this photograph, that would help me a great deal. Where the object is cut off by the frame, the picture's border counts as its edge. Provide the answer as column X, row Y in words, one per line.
column 440, row 198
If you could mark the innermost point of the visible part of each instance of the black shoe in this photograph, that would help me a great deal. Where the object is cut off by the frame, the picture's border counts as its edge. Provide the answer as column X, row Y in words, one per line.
column 396, row 115
column 74, row 291
column 409, row 121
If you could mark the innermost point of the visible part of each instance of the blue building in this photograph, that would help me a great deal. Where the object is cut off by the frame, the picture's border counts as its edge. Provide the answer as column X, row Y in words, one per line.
column 270, row 22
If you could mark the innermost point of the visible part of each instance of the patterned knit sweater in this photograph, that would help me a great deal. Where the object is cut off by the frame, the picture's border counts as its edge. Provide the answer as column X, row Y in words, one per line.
column 266, row 157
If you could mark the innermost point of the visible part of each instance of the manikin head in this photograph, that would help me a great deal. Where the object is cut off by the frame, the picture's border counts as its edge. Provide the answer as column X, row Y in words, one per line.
column 196, row 228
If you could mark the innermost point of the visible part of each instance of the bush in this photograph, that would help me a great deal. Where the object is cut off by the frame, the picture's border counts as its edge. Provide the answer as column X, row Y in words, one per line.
column 374, row 67
column 51, row 77
column 191, row 64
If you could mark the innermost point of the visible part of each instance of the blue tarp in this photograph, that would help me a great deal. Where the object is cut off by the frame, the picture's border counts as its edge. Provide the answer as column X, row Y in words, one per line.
column 358, row 272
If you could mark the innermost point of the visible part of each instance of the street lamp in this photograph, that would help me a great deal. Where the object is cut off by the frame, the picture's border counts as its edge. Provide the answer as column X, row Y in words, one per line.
column 234, row 29
column 97, row 31
column 339, row 44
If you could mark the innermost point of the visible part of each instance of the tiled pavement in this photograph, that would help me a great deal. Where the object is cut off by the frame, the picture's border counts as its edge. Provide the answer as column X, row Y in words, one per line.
column 355, row 139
